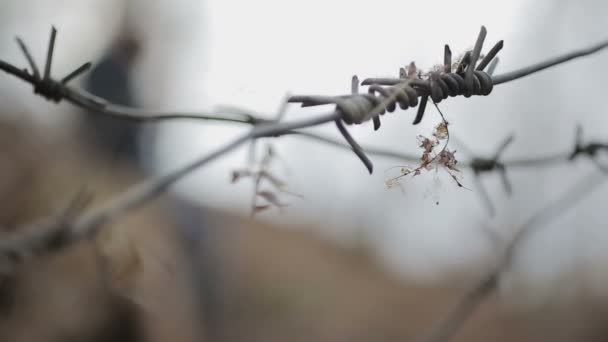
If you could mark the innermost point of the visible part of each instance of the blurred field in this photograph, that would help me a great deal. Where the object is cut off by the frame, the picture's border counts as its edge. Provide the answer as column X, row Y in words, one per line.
column 138, row 282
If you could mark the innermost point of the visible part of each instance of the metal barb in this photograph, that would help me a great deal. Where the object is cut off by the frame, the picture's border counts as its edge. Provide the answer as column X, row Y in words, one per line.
column 356, row 148
column 501, row 148
column 49, row 55
column 590, row 149
column 80, row 70
column 490, row 56
column 421, row 109
column 447, row 58
column 469, row 81
column 29, row 58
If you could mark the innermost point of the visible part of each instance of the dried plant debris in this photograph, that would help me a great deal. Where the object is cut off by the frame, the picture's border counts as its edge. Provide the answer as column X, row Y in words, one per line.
column 441, row 131
column 410, row 72
column 267, row 186
column 431, row 158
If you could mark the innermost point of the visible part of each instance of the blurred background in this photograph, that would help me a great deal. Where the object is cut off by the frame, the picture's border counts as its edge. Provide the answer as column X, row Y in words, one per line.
column 347, row 259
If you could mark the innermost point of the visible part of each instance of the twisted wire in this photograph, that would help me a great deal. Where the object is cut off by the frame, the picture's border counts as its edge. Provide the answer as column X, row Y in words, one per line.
column 385, row 94
column 44, row 85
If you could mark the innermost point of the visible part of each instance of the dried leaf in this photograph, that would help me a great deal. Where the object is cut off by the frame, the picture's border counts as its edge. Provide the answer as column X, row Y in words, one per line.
column 441, row 131
column 447, row 159
column 427, row 144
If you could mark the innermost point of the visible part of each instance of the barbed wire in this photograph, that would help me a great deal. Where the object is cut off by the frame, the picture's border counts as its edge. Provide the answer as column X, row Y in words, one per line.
column 467, row 78
column 354, row 108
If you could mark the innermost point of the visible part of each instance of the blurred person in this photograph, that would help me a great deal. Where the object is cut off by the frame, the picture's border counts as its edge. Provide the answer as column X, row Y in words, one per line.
column 110, row 79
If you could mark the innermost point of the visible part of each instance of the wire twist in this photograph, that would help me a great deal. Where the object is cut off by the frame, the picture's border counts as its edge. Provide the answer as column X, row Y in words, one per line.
column 44, row 85
column 385, row 94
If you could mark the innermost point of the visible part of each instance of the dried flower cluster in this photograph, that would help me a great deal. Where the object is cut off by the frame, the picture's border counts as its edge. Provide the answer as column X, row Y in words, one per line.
column 431, row 159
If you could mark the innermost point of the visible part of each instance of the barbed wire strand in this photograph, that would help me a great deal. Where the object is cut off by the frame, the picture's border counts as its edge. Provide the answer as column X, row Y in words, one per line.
column 85, row 100
column 534, row 68
column 57, row 91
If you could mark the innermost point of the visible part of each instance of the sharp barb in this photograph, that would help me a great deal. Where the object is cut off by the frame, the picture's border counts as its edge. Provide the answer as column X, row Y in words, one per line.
column 83, row 68
column 421, row 108
column 478, row 46
column 376, row 121
column 474, row 57
column 308, row 101
column 49, row 54
column 447, row 58
column 297, row 99
column 354, row 85
column 503, row 146
column 356, row 148
column 578, row 142
column 491, row 54
column 505, row 181
column 29, row 58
